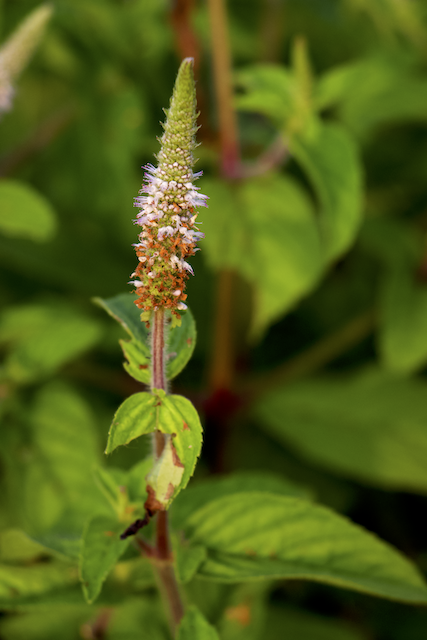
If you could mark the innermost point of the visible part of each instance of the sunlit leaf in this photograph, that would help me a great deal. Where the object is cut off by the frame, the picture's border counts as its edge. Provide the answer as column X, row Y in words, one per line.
column 259, row 535
column 25, row 213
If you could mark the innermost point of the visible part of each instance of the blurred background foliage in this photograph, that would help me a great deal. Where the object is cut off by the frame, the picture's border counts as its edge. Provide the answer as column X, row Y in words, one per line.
column 323, row 242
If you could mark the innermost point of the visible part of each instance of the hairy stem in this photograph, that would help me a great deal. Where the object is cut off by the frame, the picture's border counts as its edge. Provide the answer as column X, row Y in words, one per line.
column 162, row 559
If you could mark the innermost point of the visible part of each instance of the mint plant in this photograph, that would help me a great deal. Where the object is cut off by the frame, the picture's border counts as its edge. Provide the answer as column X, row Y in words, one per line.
column 308, row 365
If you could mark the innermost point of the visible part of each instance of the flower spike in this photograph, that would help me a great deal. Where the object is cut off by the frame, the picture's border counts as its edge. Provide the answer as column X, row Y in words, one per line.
column 167, row 204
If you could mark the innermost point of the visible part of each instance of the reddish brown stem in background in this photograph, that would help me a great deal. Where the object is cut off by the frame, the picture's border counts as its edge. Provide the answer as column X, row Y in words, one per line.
column 228, row 132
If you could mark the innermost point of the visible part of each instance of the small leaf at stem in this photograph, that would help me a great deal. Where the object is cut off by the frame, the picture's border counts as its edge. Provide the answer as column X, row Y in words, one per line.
column 174, row 415
column 180, row 338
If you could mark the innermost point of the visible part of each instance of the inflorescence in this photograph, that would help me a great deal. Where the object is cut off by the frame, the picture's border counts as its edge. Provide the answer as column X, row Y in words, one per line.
column 168, row 207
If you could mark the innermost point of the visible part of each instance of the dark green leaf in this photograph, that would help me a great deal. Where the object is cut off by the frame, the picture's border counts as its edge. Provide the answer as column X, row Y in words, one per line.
column 25, row 213
column 194, row 626
column 371, row 426
column 101, row 548
column 304, row 625
column 260, row 535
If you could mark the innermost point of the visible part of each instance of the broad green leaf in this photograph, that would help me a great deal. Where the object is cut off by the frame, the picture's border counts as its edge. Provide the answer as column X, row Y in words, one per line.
column 194, row 626
column 112, row 483
column 180, row 341
column 210, row 489
column 304, row 625
column 375, row 91
column 43, row 338
column 370, row 426
column 36, row 579
column 260, row 535
column 266, row 230
column 101, row 548
column 25, row 213
column 65, row 435
column 329, row 156
column 268, row 89
column 174, row 415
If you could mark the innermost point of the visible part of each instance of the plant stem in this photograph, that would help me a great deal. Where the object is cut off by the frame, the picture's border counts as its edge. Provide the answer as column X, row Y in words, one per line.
column 230, row 155
column 162, row 560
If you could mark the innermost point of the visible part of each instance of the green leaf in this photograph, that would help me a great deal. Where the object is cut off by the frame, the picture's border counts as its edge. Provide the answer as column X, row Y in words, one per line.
column 329, row 156
column 37, row 579
column 25, row 213
column 137, row 362
column 188, row 558
column 43, row 338
column 402, row 336
column 260, row 535
column 268, row 89
column 144, row 413
column 135, row 417
column 180, row 340
column 374, row 91
column 245, row 612
column 370, row 426
column 194, row 626
column 266, row 230
column 210, row 489
column 101, row 548
column 65, row 435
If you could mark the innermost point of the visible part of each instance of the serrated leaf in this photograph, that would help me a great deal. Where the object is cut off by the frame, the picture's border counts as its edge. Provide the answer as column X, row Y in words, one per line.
column 329, row 156
column 194, row 626
column 135, row 417
column 25, row 213
column 101, row 548
column 259, row 535
column 265, row 230
column 370, row 426
column 180, row 340
column 174, row 415
column 210, row 489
